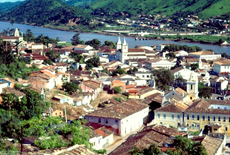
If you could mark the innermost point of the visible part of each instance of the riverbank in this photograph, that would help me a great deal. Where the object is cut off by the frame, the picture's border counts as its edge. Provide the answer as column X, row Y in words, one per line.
column 201, row 39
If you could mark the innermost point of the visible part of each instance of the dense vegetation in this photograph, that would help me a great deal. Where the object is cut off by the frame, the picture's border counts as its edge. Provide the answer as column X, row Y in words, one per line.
column 193, row 38
column 203, row 8
column 42, row 12
column 7, row 6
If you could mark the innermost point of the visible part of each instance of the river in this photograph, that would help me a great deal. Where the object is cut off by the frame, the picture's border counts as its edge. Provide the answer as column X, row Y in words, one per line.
column 66, row 36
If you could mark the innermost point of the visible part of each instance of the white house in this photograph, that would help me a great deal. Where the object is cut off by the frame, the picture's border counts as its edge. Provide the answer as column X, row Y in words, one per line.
column 101, row 138
column 182, row 72
column 159, row 63
column 219, row 84
column 83, row 47
column 122, row 118
column 207, row 55
column 181, row 53
column 222, row 66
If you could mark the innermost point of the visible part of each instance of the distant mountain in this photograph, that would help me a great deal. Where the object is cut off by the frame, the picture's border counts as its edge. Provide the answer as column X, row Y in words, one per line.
column 203, row 8
column 41, row 12
column 7, row 6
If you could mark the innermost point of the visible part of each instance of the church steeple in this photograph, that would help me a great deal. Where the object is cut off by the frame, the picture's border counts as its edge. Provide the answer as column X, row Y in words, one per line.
column 124, row 44
column 16, row 33
column 119, row 43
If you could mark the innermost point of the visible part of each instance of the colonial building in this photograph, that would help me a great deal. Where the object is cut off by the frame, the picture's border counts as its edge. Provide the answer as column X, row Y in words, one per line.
column 122, row 118
column 207, row 55
column 222, row 66
column 182, row 96
column 124, row 53
column 211, row 115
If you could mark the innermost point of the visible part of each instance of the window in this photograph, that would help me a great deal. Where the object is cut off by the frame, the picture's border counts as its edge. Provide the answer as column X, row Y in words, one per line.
column 116, row 121
column 226, row 128
column 187, row 117
column 198, row 126
column 191, row 87
column 172, row 116
column 159, row 115
column 187, row 125
column 193, row 117
column 56, row 114
column 190, row 98
column 208, row 118
column 106, row 121
column 214, row 118
column 164, row 116
column 99, row 120
column 219, row 118
column 178, row 116
column 229, row 119
column 203, row 117
column 198, row 117
column 224, row 119
column 161, row 123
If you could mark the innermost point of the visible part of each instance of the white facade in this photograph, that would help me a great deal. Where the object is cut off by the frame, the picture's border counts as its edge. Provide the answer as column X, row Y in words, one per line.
column 181, row 53
column 125, row 125
column 37, row 47
column 100, row 142
column 160, row 64
column 144, row 75
column 184, row 73
column 198, row 55
column 224, row 68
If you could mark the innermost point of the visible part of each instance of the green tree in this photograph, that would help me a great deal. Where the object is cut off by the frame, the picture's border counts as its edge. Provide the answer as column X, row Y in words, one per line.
column 71, row 87
column 164, row 78
column 117, row 90
column 152, row 150
column 76, row 39
column 204, row 91
column 111, row 44
column 92, row 62
column 95, row 43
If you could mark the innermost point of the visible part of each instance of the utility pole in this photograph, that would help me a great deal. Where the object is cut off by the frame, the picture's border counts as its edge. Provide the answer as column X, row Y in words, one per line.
column 65, row 115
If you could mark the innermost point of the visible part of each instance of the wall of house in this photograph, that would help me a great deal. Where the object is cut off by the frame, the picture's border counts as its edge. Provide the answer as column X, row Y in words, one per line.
column 96, row 142
column 115, row 124
column 124, row 126
column 221, row 68
column 133, row 122
column 168, row 118
column 194, row 124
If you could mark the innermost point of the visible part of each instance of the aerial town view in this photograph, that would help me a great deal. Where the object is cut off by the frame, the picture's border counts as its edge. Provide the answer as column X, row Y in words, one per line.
column 115, row 77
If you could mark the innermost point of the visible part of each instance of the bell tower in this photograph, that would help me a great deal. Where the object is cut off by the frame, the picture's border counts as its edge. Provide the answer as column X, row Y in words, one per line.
column 16, row 33
column 192, row 86
column 119, row 43
column 124, row 51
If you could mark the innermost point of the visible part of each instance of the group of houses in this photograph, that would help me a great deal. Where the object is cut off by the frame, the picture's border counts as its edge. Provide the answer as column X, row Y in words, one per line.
column 154, row 115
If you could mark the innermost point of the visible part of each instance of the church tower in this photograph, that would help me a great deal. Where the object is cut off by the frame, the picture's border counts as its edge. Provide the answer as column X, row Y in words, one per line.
column 16, row 33
column 124, row 51
column 119, row 43
column 192, row 87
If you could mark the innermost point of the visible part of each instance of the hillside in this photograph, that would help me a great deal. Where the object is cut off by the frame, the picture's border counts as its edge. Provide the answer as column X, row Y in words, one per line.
column 79, row 3
column 4, row 7
column 203, row 8
column 41, row 12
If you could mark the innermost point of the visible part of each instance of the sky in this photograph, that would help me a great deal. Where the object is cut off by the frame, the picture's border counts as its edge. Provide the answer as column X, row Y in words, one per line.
column 9, row 0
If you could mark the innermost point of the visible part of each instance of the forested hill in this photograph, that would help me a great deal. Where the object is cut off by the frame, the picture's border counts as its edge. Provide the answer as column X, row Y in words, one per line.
column 203, row 8
column 80, row 3
column 4, row 7
column 41, row 12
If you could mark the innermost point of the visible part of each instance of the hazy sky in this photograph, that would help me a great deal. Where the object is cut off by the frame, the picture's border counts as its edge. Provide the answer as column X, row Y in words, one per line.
column 9, row 0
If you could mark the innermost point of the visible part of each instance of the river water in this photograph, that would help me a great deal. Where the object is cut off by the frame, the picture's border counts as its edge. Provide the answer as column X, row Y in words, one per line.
column 66, row 36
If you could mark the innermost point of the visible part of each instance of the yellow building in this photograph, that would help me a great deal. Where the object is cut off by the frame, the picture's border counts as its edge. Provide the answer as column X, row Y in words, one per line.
column 170, row 115
column 213, row 115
